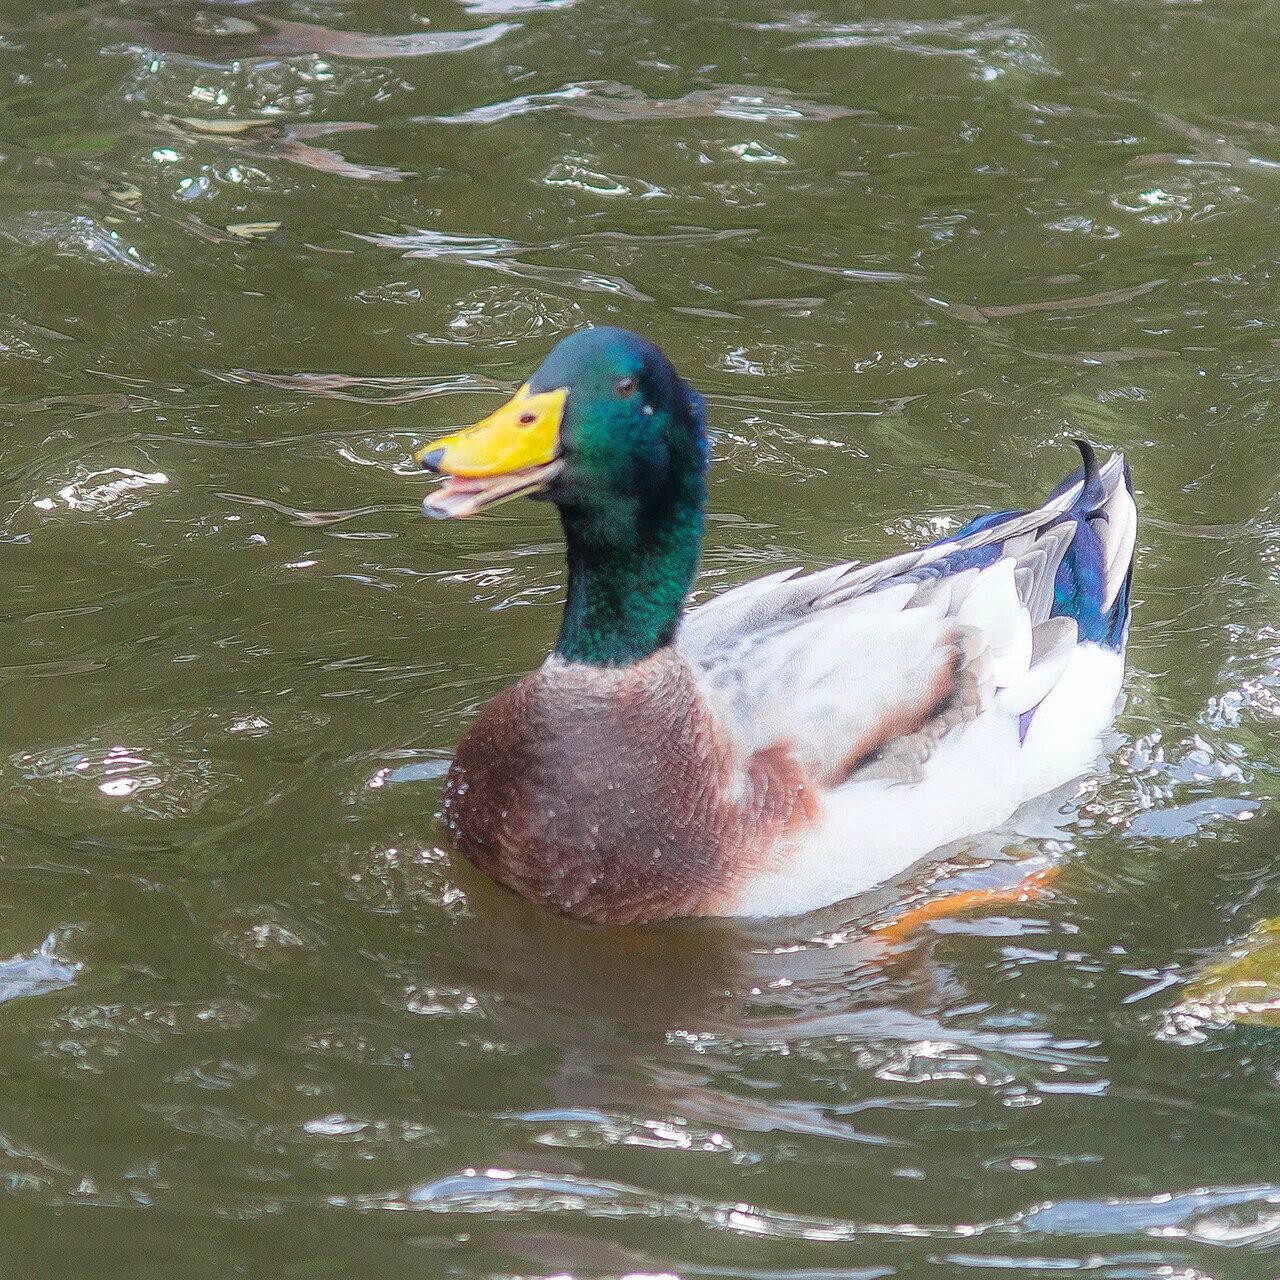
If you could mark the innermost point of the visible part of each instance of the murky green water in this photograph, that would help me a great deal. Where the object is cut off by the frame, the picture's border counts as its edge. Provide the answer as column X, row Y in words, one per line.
column 252, row 253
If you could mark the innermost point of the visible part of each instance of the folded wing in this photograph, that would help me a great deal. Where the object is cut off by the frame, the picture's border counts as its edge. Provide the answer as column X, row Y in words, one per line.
column 862, row 671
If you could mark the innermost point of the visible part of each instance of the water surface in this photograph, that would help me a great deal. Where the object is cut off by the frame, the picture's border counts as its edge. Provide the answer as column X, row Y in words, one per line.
column 256, row 1023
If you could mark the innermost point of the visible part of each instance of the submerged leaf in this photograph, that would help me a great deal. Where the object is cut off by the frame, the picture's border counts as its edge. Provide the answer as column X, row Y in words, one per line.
column 1245, row 986
column 254, row 230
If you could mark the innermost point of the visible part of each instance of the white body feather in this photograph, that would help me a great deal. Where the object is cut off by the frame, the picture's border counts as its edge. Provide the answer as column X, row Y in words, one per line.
column 842, row 666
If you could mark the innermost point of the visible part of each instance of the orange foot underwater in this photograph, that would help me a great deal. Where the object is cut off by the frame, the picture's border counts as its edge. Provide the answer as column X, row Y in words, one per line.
column 1030, row 888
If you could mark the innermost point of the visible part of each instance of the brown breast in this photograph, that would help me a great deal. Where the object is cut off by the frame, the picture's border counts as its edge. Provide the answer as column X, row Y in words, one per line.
column 616, row 795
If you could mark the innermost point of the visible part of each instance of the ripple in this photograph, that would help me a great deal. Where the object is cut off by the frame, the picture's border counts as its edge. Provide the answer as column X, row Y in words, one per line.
column 114, row 490
column 389, row 880
column 593, row 1130
column 487, row 7
column 93, row 1038
column 357, row 1041
column 497, row 254
column 610, row 100
column 386, row 389
column 76, row 236
column 1222, row 1216
column 994, row 47
column 169, row 82
column 145, row 781
column 1216, row 1217
column 263, row 937
column 970, row 314
column 500, row 316
column 266, row 140
column 575, row 173
column 268, row 37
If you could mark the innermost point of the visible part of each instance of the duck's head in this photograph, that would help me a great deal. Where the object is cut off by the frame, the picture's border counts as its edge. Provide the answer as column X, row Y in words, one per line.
column 604, row 421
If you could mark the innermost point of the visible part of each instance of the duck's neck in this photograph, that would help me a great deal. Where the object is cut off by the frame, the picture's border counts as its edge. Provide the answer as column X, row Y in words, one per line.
column 631, row 563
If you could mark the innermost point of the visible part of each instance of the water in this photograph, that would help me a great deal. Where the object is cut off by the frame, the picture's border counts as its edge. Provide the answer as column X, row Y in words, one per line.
column 254, row 1022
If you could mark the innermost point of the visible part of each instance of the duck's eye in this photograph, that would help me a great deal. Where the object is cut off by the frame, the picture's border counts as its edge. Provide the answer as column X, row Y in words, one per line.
column 528, row 419
column 624, row 388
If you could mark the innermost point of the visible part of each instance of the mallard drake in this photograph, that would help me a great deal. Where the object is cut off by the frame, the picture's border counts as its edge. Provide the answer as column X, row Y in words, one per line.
column 794, row 741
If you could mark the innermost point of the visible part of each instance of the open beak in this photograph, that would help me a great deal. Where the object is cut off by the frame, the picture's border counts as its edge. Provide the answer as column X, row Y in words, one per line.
column 512, row 453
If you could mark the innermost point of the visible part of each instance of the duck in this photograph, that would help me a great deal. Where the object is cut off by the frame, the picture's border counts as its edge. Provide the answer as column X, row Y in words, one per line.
column 791, row 742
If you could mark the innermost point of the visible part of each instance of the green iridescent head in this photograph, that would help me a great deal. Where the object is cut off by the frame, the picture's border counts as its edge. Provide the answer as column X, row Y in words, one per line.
column 608, row 431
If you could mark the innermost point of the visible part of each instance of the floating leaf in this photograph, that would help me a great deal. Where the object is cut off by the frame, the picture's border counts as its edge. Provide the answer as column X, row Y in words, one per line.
column 254, row 230
column 222, row 127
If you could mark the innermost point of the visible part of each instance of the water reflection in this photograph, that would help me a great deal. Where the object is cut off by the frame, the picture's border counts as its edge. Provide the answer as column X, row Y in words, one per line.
column 228, row 39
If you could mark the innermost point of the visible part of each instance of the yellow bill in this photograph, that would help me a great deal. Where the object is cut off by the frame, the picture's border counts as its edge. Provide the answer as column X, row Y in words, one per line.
column 511, row 453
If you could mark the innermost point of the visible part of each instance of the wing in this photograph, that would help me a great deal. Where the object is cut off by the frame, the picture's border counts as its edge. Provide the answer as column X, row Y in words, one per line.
column 863, row 670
